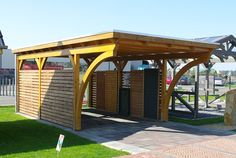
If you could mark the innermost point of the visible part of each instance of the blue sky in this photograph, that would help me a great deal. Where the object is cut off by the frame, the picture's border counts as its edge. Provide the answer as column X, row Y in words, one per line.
column 29, row 22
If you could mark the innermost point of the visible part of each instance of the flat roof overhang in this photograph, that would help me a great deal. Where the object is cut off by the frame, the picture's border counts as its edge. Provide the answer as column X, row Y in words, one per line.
column 128, row 45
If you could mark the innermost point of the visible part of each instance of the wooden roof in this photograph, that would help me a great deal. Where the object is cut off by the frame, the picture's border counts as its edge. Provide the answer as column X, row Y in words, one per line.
column 129, row 44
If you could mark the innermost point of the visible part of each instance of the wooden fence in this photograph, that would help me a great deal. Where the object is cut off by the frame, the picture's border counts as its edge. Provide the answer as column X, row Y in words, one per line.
column 28, row 94
column 56, row 95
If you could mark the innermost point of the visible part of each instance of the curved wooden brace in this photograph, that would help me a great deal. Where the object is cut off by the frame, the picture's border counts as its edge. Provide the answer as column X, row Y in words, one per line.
column 85, row 81
column 166, row 100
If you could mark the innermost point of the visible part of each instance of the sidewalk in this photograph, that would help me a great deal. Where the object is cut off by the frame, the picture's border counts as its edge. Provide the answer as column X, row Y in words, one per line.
column 7, row 100
column 153, row 139
column 218, row 148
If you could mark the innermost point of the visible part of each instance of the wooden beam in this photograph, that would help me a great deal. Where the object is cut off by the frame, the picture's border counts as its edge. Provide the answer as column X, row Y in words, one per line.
column 67, row 43
column 19, row 64
column 152, row 46
column 120, row 65
column 123, row 64
column 43, row 62
column 163, row 88
column 164, row 109
column 39, row 64
column 67, row 52
column 71, row 57
column 45, row 54
column 93, row 49
column 88, row 60
column 77, row 110
column 86, row 78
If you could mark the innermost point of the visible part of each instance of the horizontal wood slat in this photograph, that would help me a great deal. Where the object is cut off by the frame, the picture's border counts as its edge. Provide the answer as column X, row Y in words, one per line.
column 28, row 92
column 137, row 93
column 57, row 96
column 111, row 91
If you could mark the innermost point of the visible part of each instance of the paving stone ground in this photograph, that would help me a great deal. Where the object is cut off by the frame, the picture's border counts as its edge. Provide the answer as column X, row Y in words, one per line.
column 152, row 139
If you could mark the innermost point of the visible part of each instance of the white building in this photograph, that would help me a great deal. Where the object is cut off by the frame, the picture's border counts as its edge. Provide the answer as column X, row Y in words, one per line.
column 7, row 59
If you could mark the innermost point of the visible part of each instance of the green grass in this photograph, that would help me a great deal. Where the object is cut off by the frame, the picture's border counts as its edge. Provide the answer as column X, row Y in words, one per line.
column 24, row 138
column 197, row 122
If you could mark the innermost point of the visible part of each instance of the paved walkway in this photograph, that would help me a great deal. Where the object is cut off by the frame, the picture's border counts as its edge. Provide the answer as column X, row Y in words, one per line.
column 154, row 139
column 217, row 148
column 7, row 100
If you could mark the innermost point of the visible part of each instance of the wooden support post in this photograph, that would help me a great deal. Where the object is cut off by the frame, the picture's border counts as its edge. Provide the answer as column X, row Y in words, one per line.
column 164, row 111
column 75, row 60
column 173, row 96
column 85, row 80
column 207, row 86
column 196, row 97
column 90, row 84
column 19, row 64
column 40, row 63
column 120, row 65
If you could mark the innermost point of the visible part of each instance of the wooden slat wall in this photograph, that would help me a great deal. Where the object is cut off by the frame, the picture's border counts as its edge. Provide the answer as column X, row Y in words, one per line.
column 160, row 91
column 137, row 93
column 111, row 91
column 159, row 77
column 100, row 96
column 94, row 90
column 28, row 102
column 57, row 96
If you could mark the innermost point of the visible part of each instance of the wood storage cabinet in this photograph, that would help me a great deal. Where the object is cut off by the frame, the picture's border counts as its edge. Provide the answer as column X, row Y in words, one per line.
column 144, row 93
column 136, row 93
column 104, row 91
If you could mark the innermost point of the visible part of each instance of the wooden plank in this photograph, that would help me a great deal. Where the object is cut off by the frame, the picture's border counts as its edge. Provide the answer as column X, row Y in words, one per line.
column 137, row 94
column 59, row 102
column 57, row 99
column 64, row 114
column 57, row 85
column 61, row 108
column 111, row 91
column 56, row 119
column 100, row 86
column 57, row 95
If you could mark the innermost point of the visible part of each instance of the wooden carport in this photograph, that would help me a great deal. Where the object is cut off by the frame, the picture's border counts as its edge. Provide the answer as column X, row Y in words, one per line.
column 118, row 47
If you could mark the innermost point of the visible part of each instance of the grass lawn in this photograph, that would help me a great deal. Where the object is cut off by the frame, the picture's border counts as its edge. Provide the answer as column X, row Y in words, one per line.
column 197, row 122
column 24, row 138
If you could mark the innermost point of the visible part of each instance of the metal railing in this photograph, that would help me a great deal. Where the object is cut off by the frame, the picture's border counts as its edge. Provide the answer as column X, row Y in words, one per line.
column 7, row 86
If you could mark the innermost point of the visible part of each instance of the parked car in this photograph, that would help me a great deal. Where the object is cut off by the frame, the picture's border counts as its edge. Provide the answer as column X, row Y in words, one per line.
column 219, row 81
column 168, row 80
column 184, row 80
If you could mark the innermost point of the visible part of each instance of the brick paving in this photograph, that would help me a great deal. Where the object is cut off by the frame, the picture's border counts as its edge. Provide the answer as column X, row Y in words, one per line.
column 218, row 148
column 153, row 139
